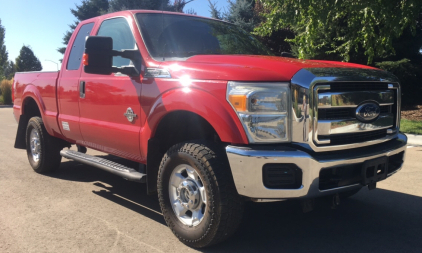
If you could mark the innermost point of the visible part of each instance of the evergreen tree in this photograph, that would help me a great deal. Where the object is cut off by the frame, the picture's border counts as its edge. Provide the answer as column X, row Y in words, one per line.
column 93, row 8
column 179, row 5
column 9, row 70
column 241, row 13
column 88, row 9
column 3, row 51
column 27, row 61
column 119, row 5
column 214, row 11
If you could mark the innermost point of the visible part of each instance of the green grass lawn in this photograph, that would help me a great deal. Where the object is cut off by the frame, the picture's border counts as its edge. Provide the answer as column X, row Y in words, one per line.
column 411, row 126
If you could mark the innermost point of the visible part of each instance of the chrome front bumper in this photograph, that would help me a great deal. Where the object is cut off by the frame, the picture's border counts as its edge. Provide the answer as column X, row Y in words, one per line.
column 247, row 167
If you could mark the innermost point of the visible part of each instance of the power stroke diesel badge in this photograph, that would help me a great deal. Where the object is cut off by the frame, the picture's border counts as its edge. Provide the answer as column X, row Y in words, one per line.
column 130, row 115
column 367, row 112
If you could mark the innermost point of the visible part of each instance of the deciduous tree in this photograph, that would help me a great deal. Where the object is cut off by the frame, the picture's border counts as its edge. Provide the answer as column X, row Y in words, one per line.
column 343, row 28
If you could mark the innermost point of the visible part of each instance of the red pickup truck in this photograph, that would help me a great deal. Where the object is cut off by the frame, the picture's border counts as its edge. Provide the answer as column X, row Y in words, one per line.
column 211, row 116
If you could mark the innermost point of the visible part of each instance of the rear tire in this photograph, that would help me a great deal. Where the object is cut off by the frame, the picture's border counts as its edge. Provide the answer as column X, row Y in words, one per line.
column 198, row 172
column 42, row 149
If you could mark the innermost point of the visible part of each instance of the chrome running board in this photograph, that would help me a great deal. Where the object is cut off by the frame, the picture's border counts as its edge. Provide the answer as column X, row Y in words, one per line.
column 104, row 164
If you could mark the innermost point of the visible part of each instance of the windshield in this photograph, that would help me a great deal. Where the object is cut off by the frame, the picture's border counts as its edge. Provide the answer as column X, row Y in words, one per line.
column 177, row 37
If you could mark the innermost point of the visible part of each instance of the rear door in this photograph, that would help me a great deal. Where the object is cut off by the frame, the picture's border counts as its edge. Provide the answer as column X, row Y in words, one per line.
column 108, row 98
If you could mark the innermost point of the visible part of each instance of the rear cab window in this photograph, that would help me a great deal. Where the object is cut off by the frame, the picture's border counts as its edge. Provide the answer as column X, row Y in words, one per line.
column 78, row 47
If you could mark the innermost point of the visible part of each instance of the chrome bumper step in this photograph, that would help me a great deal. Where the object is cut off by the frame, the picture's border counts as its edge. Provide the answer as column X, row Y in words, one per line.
column 104, row 164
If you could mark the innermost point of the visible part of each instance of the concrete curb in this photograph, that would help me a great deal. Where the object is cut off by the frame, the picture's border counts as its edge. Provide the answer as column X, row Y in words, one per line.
column 414, row 139
column 6, row 106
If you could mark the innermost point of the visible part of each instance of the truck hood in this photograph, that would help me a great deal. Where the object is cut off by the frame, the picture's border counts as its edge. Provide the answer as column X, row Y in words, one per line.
column 246, row 67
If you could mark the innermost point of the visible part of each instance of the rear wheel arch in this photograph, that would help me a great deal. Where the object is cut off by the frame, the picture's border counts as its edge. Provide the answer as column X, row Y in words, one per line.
column 29, row 109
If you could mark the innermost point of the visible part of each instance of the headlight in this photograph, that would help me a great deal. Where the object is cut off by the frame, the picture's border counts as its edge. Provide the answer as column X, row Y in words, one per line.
column 263, row 110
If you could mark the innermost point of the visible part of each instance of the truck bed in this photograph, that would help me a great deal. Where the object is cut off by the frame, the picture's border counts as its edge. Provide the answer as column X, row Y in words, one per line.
column 41, row 86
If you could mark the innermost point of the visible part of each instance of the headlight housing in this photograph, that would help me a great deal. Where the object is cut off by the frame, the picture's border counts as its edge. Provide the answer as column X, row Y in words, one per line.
column 263, row 110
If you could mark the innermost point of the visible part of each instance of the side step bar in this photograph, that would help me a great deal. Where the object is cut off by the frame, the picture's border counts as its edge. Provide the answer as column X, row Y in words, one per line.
column 107, row 165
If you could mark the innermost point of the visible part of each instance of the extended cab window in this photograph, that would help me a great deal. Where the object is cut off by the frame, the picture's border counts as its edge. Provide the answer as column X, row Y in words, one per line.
column 119, row 30
column 78, row 47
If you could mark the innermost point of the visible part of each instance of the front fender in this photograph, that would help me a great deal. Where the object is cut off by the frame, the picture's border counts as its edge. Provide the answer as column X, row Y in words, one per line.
column 219, row 114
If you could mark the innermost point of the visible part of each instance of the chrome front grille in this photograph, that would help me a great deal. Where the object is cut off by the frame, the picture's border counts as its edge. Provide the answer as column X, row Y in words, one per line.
column 341, row 139
column 325, row 101
column 336, row 104
column 346, row 113
column 361, row 86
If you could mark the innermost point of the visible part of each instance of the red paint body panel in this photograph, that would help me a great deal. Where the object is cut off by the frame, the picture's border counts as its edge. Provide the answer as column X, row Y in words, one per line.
column 102, row 123
column 204, row 98
column 247, row 67
column 198, row 85
column 40, row 86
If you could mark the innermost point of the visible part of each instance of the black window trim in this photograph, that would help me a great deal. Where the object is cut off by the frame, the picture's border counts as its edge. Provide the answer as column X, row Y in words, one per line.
column 73, row 43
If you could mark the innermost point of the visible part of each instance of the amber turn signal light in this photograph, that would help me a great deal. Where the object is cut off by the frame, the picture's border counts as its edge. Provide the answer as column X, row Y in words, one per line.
column 238, row 102
column 85, row 60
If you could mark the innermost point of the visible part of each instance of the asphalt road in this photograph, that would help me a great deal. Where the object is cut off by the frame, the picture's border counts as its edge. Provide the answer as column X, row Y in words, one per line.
column 83, row 209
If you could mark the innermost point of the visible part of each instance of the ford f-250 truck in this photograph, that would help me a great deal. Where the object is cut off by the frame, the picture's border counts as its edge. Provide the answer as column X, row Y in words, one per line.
column 211, row 117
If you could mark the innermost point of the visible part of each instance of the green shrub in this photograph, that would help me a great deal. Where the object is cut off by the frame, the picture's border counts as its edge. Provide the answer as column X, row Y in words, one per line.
column 410, row 76
column 6, row 91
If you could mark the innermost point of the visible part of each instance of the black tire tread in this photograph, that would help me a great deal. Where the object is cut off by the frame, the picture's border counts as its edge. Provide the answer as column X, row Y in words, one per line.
column 231, row 203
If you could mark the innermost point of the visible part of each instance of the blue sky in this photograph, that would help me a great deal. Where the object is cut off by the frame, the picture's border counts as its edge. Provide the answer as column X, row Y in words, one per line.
column 41, row 25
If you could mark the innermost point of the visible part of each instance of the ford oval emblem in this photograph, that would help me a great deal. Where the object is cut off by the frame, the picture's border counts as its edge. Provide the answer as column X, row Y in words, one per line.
column 367, row 112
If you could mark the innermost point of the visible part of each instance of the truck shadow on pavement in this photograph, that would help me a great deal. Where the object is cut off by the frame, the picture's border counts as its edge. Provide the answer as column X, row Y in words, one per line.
column 129, row 194
column 371, row 221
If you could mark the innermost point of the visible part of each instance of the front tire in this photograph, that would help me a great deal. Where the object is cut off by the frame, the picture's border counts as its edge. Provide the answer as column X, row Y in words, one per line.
column 42, row 149
column 350, row 193
column 197, row 194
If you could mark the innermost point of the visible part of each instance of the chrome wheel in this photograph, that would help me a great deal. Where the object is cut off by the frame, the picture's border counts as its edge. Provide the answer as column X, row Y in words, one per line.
column 187, row 195
column 35, row 144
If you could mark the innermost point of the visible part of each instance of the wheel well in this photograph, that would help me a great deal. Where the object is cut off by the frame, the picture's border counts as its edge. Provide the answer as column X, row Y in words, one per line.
column 175, row 127
column 182, row 126
column 30, row 108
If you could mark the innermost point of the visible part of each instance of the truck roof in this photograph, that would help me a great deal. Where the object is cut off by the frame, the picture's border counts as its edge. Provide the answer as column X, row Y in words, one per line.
column 125, row 12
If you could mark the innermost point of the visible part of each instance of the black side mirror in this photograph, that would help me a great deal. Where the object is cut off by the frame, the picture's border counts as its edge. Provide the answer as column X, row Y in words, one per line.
column 98, row 57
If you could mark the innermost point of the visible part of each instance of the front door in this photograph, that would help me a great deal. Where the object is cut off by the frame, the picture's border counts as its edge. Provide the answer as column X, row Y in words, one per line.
column 68, row 86
column 110, row 102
